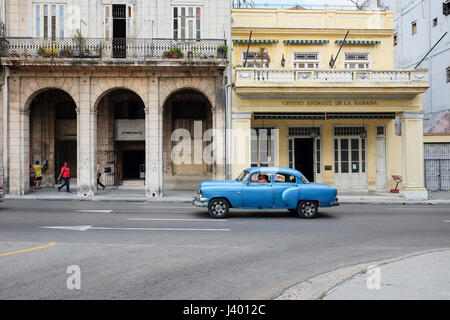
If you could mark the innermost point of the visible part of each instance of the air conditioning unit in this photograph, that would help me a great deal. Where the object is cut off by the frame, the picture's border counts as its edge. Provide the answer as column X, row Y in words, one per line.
column 446, row 7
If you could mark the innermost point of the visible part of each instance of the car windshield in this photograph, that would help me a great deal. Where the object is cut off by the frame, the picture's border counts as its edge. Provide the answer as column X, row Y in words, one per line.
column 304, row 180
column 243, row 176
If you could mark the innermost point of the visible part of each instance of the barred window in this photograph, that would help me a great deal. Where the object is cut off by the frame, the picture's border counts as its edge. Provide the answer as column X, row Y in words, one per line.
column 356, row 61
column 306, row 60
column 380, row 131
column 304, row 131
column 262, row 147
column 349, row 131
column 251, row 59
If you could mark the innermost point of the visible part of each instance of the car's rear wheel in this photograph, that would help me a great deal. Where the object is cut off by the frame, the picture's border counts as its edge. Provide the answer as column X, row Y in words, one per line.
column 307, row 209
column 218, row 208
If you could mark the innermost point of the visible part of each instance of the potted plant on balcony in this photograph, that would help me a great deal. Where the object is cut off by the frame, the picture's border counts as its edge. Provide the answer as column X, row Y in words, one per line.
column 262, row 58
column 79, row 40
column 47, row 52
column 222, row 51
column 66, row 53
column 173, row 53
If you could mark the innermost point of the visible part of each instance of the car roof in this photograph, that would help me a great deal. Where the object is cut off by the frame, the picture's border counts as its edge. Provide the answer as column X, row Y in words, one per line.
column 274, row 170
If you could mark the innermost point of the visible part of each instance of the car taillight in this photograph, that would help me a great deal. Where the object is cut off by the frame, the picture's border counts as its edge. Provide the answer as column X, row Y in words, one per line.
column 1, row 186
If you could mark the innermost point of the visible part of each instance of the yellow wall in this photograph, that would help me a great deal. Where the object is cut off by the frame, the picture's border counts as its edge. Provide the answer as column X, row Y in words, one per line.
column 300, row 95
column 315, row 25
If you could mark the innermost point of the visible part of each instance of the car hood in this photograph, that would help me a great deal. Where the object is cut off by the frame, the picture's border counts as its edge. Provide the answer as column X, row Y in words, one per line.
column 219, row 183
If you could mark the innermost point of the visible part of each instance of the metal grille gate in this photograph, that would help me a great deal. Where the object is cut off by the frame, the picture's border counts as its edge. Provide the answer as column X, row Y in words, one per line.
column 437, row 167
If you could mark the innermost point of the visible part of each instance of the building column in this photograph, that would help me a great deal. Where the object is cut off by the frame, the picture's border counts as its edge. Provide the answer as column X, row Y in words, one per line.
column 412, row 157
column 218, row 118
column 371, row 159
column 240, row 142
column 18, row 141
column 153, row 143
column 87, row 141
column 328, row 169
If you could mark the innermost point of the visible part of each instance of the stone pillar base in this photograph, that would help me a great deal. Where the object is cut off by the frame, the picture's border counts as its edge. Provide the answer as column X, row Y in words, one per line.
column 418, row 195
column 152, row 194
column 86, row 191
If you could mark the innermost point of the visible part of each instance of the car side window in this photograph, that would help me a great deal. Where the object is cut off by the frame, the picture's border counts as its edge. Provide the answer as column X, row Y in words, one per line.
column 260, row 177
column 285, row 178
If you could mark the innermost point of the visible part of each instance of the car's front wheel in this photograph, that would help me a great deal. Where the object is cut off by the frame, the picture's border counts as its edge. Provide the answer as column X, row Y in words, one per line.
column 307, row 209
column 218, row 208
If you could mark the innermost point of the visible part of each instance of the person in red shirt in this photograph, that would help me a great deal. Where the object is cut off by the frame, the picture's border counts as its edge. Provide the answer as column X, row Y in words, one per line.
column 65, row 174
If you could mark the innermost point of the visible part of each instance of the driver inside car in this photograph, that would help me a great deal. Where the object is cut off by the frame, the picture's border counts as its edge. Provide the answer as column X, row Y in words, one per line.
column 262, row 178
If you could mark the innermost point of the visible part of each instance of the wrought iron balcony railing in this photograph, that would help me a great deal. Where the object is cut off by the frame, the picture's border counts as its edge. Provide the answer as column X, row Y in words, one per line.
column 114, row 48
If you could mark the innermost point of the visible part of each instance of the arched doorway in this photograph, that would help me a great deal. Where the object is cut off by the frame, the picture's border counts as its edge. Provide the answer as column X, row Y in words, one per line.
column 53, row 134
column 190, row 111
column 121, row 138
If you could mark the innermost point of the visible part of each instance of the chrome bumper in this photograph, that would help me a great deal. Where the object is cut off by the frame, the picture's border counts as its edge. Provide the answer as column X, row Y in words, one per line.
column 335, row 204
column 198, row 201
column 199, row 204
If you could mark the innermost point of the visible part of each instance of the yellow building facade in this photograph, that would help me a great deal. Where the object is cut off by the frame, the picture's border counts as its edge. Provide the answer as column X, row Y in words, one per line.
column 297, row 103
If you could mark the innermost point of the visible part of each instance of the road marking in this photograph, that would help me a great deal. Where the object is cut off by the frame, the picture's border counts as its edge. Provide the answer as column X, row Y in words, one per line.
column 95, row 211
column 446, row 220
column 51, row 244
column 168, row 211
column 193, row 220
column 85, row 228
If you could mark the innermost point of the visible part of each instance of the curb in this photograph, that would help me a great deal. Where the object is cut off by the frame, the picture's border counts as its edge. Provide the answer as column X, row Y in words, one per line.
column 98, row 199
column 169, row 200
column 329, row 281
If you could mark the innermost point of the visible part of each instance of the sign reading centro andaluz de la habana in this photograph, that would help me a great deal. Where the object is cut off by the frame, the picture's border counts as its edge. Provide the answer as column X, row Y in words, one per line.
column 326, row 102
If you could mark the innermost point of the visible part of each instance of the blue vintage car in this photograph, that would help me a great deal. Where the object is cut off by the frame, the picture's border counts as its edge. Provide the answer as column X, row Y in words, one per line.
column 265, row 188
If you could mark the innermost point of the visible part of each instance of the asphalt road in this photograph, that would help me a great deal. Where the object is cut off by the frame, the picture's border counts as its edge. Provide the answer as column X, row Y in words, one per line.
column 174, row 251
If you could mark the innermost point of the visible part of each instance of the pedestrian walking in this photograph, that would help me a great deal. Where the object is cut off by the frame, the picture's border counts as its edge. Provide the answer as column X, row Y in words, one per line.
column 99, row 174
column 38, row 171
column 65, row 174
column 32, row 177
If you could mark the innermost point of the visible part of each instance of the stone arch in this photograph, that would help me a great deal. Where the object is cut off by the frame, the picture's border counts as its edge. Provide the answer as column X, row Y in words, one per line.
column 52, row 136
column 205, row 86
column 100, row 87
column 31, row 88
column 121, row 135
column 190, row 111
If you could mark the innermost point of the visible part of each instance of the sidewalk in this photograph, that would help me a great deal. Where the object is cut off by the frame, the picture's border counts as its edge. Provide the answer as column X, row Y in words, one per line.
column 422, row 277
column 138, row 195
column 109, row 194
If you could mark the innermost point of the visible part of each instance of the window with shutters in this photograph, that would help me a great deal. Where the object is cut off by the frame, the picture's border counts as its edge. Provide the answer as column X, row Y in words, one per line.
column 48, row 20
column 187, row 22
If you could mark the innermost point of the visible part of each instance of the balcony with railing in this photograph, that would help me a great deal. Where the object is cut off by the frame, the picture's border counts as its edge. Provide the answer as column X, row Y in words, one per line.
column 299, row 5
column 90, row 50
column 398, row 81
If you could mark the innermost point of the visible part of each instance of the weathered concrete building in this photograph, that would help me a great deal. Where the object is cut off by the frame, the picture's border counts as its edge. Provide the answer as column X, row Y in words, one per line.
column 104, row 84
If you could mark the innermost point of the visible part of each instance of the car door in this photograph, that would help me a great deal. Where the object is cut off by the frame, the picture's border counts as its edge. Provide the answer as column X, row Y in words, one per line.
column 280, row 183
column 258, row 194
